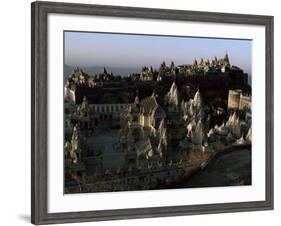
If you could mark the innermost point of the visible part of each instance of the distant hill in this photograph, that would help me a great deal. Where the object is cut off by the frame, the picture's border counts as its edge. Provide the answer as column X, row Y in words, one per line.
column 123, row 71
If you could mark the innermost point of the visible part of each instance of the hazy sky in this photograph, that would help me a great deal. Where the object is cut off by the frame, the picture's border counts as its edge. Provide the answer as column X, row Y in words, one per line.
column 135, row 51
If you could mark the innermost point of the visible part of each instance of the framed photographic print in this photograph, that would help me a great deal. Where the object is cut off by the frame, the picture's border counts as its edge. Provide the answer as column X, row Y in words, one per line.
column 140, row 112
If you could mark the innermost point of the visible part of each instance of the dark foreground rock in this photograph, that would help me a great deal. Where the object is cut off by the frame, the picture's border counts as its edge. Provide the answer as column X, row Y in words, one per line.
column 233, row 168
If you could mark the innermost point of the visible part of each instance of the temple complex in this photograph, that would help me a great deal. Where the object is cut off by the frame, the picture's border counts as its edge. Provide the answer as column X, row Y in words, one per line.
column 160, row 127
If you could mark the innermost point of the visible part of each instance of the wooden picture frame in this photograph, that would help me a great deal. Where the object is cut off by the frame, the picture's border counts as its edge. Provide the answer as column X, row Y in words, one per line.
column 39, row 109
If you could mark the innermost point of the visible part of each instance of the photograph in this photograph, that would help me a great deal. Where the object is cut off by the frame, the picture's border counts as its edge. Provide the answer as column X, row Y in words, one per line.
column 150, row 112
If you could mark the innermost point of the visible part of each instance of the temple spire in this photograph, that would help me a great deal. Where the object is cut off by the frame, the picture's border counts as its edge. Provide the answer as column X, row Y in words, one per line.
column 137, row 99
column 226, row 58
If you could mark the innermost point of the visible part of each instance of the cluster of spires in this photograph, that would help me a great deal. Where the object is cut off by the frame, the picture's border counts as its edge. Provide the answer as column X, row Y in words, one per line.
column 215, row 61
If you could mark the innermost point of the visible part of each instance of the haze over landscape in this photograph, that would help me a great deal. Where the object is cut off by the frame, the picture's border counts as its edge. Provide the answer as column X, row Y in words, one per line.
column 127, row 53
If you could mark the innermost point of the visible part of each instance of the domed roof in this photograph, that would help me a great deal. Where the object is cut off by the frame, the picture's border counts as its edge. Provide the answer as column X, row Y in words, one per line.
column 148, row 104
